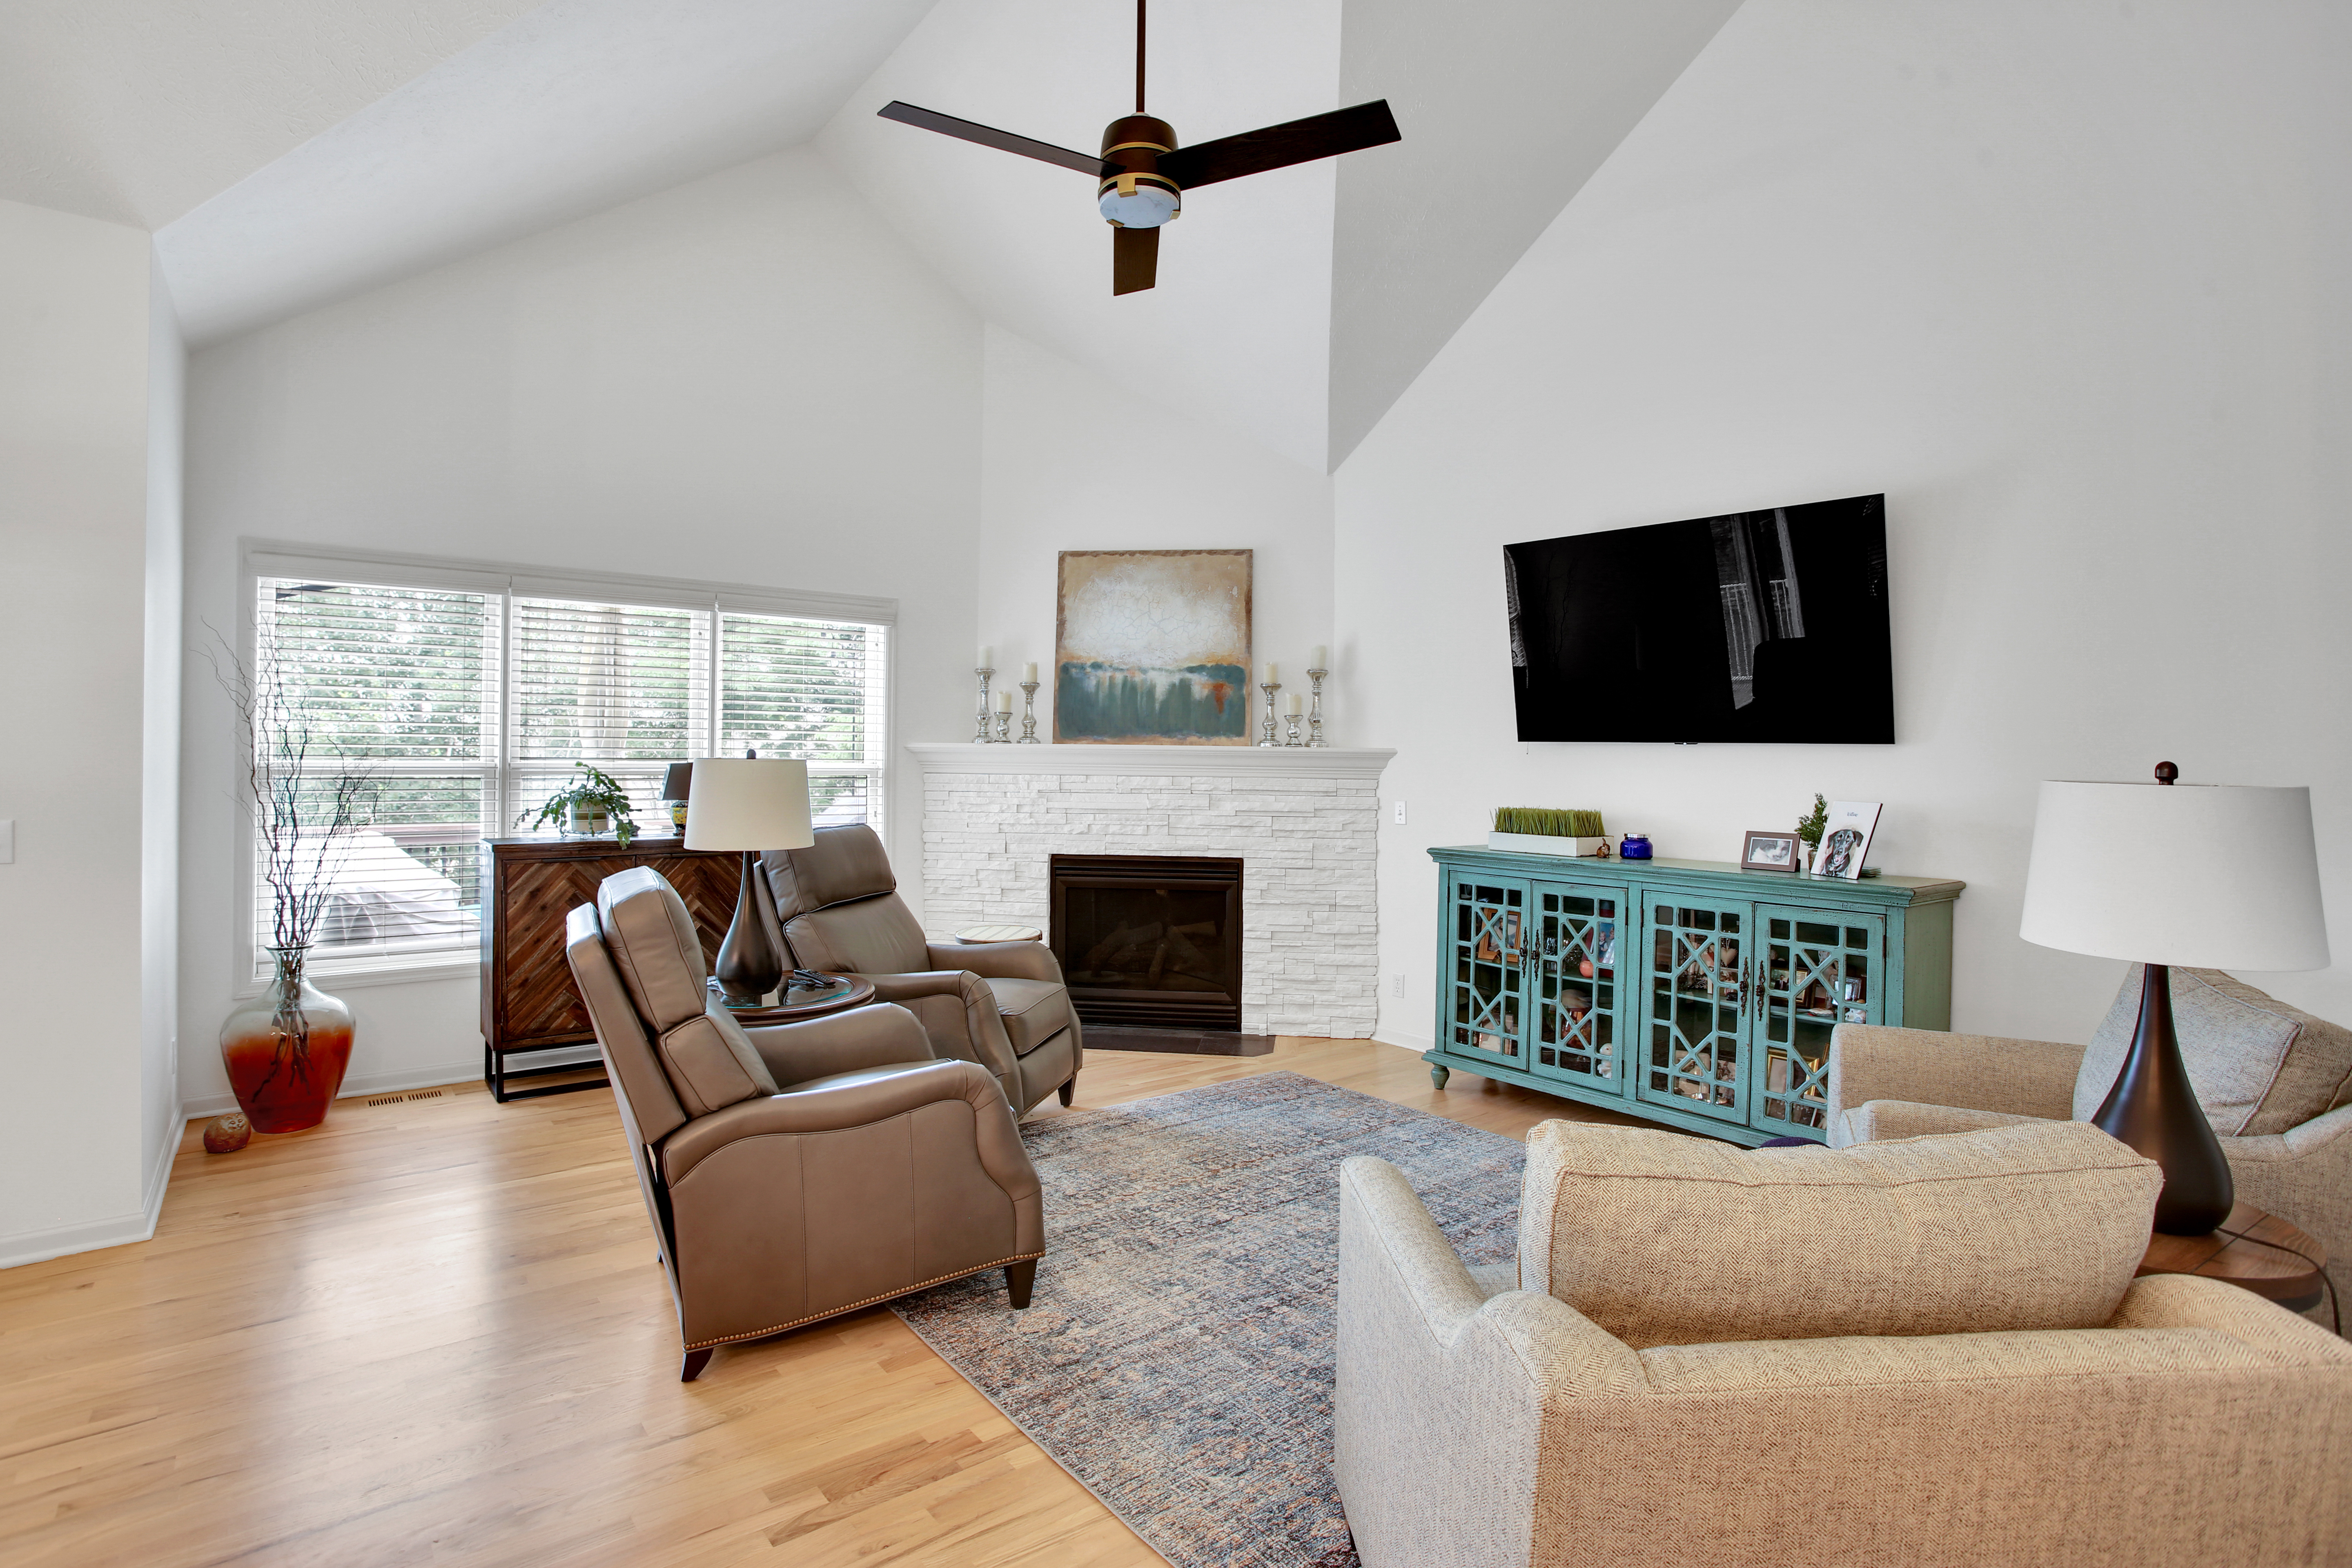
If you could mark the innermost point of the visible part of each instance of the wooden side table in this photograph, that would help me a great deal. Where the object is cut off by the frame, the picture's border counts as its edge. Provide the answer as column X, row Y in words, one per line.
column 847, row 991
column 2251, row 1249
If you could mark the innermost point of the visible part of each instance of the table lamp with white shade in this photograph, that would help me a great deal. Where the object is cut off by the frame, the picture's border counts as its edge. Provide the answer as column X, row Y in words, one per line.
column 2198, row 875
column 749, row 805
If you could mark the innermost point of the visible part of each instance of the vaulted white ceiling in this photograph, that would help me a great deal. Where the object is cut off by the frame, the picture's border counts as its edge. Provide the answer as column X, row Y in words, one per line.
column 577, row 106
column 291, row 151
column 135, row 112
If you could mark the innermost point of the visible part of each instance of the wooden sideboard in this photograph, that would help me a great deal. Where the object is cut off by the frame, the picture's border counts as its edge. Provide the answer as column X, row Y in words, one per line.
column 1685, row 992
column 528, row 886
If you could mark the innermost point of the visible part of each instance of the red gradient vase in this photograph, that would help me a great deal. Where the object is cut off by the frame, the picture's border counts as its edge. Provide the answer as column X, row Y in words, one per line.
column 287, row 1049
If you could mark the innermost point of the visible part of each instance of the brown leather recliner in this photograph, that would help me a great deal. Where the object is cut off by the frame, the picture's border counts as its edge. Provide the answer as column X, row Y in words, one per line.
column 1000, row 1003
column 877, row 1169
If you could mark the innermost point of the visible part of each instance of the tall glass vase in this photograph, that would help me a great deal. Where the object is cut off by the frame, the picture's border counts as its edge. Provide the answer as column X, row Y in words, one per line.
column 286, row 1050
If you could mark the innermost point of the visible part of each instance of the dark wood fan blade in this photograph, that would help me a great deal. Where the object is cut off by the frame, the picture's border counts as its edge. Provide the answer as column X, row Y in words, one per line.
column 988, row 136
column 1134, row 260
column 1279, row 146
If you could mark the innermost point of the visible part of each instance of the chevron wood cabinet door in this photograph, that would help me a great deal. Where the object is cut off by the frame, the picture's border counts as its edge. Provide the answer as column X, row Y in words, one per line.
column 529, row 1002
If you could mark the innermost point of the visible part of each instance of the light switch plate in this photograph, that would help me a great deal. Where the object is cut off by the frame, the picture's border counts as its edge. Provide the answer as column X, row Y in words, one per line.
column 1400, row 814
column 7, row 841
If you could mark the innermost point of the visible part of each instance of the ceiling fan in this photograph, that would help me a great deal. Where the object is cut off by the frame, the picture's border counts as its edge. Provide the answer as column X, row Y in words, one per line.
column 1143, row 174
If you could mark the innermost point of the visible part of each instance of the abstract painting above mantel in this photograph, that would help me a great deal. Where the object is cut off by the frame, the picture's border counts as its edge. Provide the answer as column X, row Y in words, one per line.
column 1152, row 648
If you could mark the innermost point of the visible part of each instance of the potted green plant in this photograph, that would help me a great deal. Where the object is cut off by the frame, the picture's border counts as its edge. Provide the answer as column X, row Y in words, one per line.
column 1542, row 830
column 1810, row 828
column 592, row 805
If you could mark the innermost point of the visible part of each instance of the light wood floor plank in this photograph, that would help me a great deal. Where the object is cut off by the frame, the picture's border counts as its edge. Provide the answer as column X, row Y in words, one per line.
column 432, row 1332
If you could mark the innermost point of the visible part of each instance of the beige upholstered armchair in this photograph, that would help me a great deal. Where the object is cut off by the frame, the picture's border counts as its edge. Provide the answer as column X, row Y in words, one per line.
column 1000, row 1003
column 795, row 1172
column 1924, row 1354
column 2276, row 1082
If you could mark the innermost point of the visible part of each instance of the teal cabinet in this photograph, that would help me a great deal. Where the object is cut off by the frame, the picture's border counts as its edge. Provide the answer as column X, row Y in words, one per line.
column 1685, row 992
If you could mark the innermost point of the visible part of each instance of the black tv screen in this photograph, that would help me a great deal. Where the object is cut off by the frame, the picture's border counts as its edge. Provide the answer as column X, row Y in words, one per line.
column 1756, row 626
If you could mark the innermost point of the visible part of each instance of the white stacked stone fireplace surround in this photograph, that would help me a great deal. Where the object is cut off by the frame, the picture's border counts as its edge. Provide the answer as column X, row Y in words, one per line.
column 1304, row 822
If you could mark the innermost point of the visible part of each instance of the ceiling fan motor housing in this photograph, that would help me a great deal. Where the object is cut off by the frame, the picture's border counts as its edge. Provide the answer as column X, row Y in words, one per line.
column 1135, row 195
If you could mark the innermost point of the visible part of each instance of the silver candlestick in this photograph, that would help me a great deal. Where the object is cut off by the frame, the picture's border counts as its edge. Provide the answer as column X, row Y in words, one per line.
column 1315, row 716
column 1290, row 722
column 980, row 736
column 1266, row 737
column 1028, row 713
column 1004, row 729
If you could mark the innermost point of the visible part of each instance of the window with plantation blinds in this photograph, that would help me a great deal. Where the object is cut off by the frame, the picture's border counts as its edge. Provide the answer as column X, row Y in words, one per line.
column 467, row 707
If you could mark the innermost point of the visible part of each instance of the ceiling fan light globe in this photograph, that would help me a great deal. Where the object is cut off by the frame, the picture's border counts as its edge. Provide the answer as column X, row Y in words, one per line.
column 1147, row 206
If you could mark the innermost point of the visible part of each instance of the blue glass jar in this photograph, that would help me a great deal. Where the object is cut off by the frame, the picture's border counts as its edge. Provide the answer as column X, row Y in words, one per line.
column 1636, row 846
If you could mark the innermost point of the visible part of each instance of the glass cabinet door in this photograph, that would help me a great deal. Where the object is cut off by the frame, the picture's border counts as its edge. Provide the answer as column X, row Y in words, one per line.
column 1695, row 974
column 1821, row 968
column 1574, row 955
column 1489, row 933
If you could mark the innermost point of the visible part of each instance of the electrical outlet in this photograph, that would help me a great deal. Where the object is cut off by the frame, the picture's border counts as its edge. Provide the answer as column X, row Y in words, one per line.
column 1396, row 983
column 1400, row 814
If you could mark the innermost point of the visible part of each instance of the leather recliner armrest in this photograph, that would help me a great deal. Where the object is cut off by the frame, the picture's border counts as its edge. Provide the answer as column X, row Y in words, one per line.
column 983, row 1025
column 1000, row 960
column 882, row 1035
column 855, row 1099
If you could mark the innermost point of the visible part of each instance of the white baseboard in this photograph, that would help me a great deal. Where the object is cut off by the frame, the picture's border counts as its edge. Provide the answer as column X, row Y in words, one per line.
column 39, row 1246
column 1402, row 1041
column 432, row 1075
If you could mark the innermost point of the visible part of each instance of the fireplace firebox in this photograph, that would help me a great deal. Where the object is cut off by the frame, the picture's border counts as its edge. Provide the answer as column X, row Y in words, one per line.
column 1151, row 941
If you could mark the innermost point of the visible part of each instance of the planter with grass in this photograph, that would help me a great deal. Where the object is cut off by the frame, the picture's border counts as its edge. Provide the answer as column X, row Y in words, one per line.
column 1541, row 830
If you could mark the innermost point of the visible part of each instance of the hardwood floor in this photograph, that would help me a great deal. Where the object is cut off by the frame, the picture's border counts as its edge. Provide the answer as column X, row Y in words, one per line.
column 433, row 1331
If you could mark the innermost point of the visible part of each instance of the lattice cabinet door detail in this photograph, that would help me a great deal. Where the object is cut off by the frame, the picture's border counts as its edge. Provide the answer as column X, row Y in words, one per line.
column 1688, row 993
column 1578, row 1030
column 1695, row 963
column 1821, row 969
column 1489, row 934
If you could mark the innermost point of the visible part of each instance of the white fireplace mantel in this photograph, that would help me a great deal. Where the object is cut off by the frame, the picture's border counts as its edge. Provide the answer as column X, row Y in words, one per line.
column 1197, row 762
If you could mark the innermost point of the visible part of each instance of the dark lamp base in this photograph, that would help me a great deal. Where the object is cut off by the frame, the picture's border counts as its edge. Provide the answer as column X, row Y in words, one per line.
column 748, row 965
column 2154, row 1109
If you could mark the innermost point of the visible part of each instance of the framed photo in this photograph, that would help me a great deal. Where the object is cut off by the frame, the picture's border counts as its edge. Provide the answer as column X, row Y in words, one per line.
column 1845, row 838
column 1770, row 852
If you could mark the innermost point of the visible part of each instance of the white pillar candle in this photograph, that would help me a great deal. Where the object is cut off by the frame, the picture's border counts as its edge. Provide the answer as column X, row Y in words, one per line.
column 987, row 658
column 1294, row 705
column 1272, row 676
column 1319, row 661
column 1029, row 672
column 1004, row 700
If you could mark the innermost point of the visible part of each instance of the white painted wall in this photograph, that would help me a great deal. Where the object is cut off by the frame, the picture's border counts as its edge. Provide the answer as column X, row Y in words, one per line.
column 1070, row 461
column 743, row 377
column 158, row 784
column 1507, row 108
column 2067, row 284
column 74, row 521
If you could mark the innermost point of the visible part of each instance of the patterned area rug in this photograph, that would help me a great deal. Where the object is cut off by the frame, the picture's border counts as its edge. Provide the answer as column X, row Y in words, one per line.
column 1177, row 1355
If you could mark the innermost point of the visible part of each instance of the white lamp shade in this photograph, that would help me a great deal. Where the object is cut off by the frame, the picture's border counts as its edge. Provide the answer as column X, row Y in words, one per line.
column 2198, row 875
column 740, row 803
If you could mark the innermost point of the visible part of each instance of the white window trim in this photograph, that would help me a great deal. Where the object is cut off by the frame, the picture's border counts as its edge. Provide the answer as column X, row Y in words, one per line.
column 257, row 559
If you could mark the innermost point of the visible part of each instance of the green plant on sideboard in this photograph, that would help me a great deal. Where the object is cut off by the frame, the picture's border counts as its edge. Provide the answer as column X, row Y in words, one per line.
column 588, row 805
column 1685, row 992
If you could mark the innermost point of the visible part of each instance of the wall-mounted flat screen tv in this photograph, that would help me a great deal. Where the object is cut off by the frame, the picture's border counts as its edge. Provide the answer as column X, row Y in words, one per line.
column 1758, row 626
